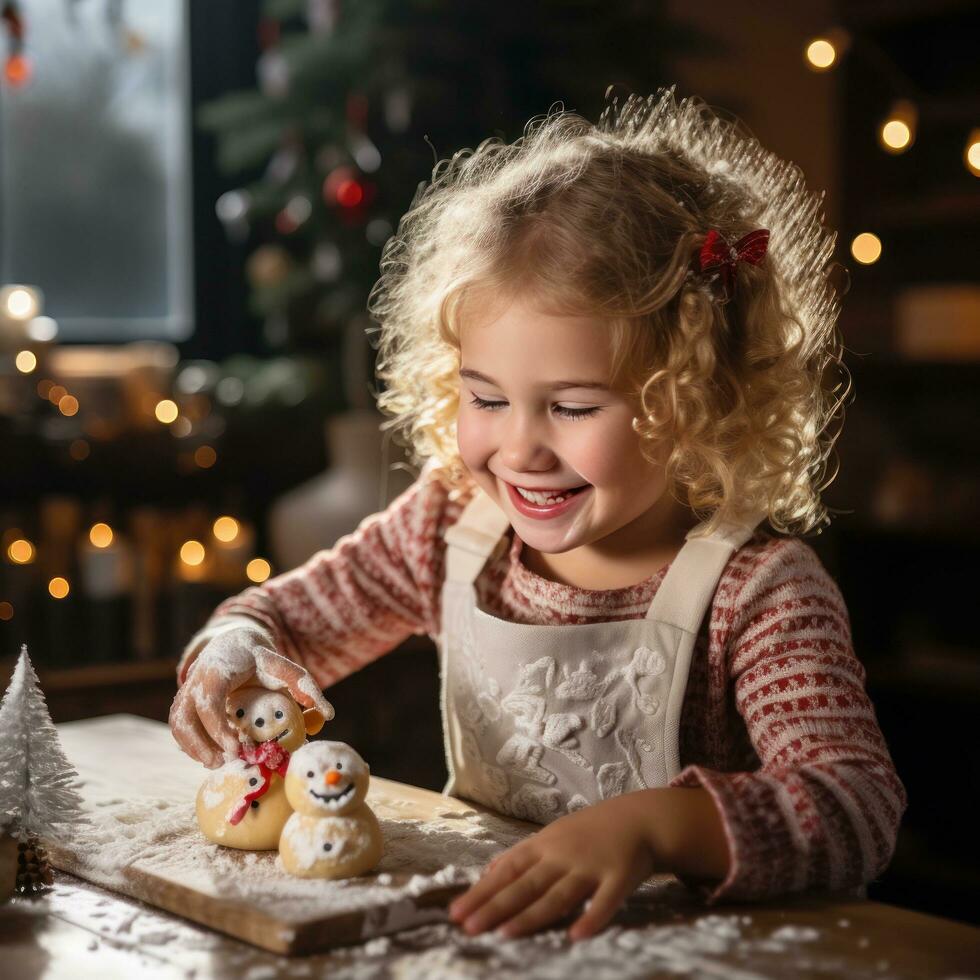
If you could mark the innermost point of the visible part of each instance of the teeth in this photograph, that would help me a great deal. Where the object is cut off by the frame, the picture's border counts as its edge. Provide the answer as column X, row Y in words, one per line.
column 541, row 498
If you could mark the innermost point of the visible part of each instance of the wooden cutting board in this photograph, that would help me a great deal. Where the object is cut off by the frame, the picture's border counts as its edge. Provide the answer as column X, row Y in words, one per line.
column 123, row 758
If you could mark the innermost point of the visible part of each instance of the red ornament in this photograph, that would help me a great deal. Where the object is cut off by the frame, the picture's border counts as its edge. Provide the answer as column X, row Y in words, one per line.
column 716, row 253
column 350, row 193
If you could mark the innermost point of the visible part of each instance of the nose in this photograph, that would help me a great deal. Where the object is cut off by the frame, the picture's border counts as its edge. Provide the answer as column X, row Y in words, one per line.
column 259, row 722
column 332, row 777
column 522, row 448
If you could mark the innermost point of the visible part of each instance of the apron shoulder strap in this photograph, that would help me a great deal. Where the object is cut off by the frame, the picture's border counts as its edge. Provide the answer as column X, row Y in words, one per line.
column 477, row 536
column 686, row 592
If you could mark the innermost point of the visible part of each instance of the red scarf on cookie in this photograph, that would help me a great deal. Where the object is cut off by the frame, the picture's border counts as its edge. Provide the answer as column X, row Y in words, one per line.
column 270, row 757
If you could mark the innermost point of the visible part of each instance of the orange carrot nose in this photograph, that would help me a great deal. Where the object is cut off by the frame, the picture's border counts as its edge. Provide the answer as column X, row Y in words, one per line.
column 332, row 777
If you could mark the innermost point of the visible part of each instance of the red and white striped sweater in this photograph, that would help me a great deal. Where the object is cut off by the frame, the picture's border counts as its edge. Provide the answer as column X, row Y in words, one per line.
column 776, row 723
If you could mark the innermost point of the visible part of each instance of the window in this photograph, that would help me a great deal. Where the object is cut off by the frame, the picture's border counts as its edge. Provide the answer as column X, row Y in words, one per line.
column 95, row 169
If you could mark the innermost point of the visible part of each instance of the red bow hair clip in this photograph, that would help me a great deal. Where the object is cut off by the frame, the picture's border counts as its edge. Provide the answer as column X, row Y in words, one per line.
column 717, row 253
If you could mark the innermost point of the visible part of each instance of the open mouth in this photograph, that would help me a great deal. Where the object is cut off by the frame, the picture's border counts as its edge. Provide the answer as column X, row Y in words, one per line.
column 543, row 509
column 334, row 799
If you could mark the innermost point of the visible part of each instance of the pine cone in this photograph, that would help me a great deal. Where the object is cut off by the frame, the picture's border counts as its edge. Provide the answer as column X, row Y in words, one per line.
column 33, row 870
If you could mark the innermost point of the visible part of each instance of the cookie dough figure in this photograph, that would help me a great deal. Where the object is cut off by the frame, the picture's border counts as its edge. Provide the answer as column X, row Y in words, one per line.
column 333, row 833
column 243, row 804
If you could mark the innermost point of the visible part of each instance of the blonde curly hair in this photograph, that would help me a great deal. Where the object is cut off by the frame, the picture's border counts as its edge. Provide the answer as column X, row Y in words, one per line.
column 605, row 221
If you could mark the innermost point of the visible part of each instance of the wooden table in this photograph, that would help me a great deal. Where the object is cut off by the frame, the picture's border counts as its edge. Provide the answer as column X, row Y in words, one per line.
column 80, row 930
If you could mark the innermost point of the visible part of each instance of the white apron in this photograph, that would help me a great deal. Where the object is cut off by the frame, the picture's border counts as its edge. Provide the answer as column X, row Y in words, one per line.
column 539, row 721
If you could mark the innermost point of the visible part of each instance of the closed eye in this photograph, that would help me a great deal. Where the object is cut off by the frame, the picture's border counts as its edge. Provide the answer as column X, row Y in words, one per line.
column 563, row 410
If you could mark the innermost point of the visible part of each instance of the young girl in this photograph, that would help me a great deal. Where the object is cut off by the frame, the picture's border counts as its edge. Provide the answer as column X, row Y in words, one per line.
column 607, row 346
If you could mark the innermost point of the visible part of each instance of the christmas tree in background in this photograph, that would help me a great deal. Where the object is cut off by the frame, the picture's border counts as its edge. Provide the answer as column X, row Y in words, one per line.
column 355, row 103
column 38, row 785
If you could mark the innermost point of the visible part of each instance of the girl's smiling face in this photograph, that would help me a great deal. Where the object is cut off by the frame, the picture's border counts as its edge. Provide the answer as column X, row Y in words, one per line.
column 520, row 424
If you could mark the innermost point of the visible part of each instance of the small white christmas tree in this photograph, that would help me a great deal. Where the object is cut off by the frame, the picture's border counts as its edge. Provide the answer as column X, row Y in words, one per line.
column 39, row 795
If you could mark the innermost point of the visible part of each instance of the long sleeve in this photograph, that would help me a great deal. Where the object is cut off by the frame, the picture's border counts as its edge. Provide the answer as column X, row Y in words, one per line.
column 822, row 811
column 351, row 603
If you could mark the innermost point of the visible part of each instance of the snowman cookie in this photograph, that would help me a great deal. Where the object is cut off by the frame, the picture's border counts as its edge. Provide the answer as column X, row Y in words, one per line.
column 333, row 833
column 243, row 804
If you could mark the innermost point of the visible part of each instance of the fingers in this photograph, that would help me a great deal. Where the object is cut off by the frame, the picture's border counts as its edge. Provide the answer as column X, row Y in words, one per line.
column 213, row 715
column 563, row 897
column 513, row 897
column 190, row 734
column 275, row 671
column 603, row 906
column 504, row 868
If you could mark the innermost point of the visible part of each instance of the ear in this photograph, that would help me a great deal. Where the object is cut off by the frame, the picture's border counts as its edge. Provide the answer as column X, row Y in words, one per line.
column 312, row 720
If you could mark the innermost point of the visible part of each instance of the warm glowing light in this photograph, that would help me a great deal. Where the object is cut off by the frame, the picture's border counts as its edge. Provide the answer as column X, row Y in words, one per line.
column 971, row 155
column 20, row 302
column 166, row 411
column 258, row 570
column 192, row 552
column 25, row 361
column 896, row 135
column 58, row 587
column 100, row 535
column 6, row 611
column 68, row 405
column 225, row 529
column 205, row 457
column 21, row 551
column 897, row 132
column 821, row 54
column 79, row 450
column 56, row 393
column 866, row 248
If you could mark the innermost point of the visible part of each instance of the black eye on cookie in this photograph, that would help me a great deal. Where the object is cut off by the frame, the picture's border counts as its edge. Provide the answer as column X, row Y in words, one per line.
column 240, row 713
column 278, row 714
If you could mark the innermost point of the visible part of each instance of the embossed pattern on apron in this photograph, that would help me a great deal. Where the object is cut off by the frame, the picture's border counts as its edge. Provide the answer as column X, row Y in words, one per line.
column 540, row 721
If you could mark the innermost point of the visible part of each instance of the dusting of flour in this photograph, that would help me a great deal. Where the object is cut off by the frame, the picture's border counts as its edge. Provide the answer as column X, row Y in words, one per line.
column 162, row 837
column 654, row 935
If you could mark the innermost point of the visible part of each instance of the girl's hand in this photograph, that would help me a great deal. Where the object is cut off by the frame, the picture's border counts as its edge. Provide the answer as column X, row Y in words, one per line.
column 600, row 853
column 198, row 716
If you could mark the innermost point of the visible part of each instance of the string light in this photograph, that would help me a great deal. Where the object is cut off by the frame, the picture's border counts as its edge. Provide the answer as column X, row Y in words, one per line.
column 20, row 302
column 897, row 132
column 26, row 361
column 100, row 535
column 258, row 570
column 58, row 587
column 192, row 552
column 866, row 248
column 42, row 329
column 166, row 411
column 68, row 405
column 21, row 551
column 971, row 153
column 824, row 52
column 225, row 529
column 205, row 457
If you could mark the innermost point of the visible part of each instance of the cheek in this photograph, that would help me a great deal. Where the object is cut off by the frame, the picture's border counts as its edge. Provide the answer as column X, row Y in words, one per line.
column 473, row 438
